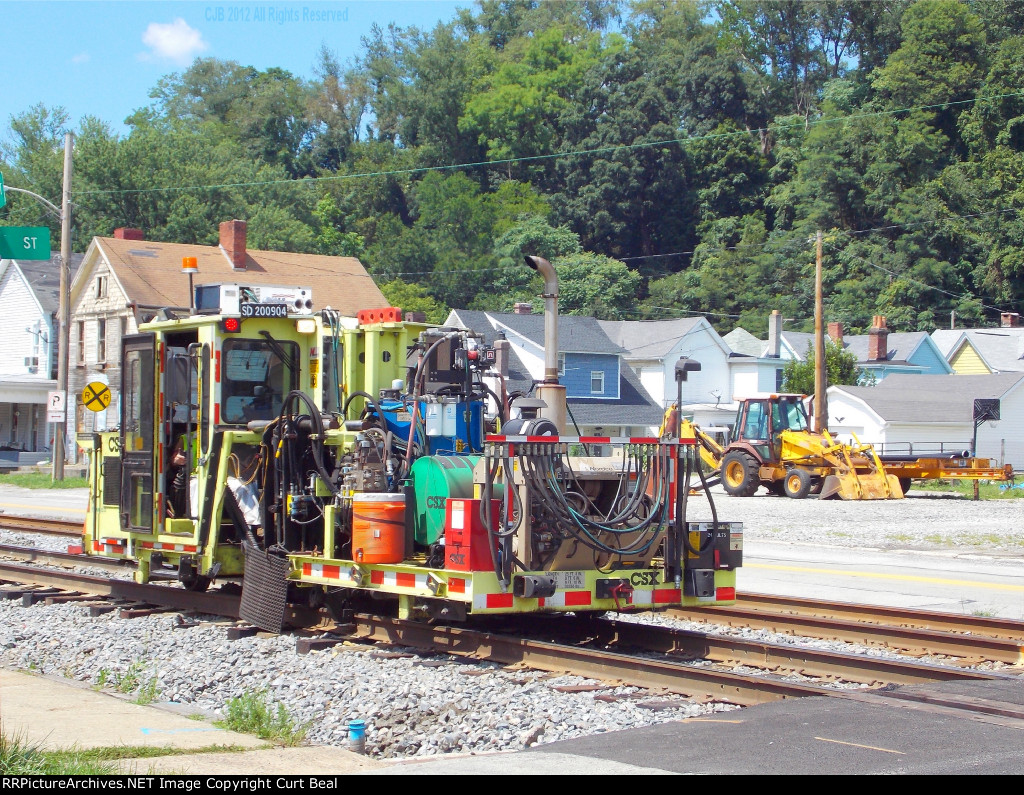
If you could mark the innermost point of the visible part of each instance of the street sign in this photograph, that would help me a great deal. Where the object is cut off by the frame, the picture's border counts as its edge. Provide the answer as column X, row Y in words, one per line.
column 96, row 396
column 24, row 242
column 3, row 196
column 55, row 406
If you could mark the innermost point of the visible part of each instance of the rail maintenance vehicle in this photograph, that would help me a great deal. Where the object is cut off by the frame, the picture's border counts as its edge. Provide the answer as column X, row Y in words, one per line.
column 369, row 463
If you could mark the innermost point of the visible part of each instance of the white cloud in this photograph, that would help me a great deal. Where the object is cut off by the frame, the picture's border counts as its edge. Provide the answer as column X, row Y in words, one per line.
column 82, row 57
column 175, row 42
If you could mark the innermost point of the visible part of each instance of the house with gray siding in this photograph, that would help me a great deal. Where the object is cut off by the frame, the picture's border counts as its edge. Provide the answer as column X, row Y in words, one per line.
column 604, row 396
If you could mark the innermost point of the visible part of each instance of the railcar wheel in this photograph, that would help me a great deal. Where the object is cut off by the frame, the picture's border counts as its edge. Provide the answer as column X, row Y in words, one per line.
column 797, row 483
column 739, row 474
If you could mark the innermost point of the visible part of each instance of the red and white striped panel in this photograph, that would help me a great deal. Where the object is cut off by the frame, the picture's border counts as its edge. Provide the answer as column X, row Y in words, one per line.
column 567, row 599
column 160, row 546
column 398, row 579
column 492, row 601
column 325, row 571
column 114, row 546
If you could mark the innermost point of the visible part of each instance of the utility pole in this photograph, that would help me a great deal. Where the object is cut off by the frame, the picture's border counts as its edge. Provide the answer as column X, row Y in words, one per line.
column 820, row 420
column 60, row 432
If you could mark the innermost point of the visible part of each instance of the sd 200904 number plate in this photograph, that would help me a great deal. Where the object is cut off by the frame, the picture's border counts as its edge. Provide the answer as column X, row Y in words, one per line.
column 264, row 310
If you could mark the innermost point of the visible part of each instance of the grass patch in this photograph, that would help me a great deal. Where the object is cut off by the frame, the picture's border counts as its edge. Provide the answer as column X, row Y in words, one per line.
column 21, row 758
column 42, row 480
column 900, row 537
column 131, row 680
column 113, row 752
column 253, row 713
column 987, row 490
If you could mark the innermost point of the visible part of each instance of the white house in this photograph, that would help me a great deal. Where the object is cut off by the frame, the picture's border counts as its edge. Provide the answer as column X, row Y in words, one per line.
column 923, row 414
column 652, row 348
column 29, row 300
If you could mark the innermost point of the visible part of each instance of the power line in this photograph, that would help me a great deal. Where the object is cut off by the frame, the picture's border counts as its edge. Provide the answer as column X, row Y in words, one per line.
column 551, row 156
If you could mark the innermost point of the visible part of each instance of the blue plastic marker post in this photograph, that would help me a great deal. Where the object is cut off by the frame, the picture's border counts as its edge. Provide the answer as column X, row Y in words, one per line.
column 357, row 736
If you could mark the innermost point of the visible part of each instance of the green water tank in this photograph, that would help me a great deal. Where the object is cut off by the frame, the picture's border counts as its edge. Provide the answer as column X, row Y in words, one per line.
column 437, row 478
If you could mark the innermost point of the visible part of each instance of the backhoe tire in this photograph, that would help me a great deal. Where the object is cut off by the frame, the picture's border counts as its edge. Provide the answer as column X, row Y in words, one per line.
column 905, row 484
column 739, row 474
column 797, row 483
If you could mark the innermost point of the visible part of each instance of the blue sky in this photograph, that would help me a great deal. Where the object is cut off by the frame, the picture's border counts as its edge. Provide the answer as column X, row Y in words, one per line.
column 102, row 58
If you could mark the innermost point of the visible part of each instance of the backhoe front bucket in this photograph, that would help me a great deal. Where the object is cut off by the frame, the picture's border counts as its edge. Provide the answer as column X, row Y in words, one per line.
column 855, row 471
column 862, row 486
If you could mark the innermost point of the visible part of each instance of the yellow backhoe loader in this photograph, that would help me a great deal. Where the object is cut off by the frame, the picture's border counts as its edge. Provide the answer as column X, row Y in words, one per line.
column 772, row 446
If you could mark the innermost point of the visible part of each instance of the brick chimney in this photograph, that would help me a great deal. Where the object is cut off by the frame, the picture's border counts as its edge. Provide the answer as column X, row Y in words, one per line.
column 878, row 340
column 775, row 334
column 232, row 243
column 127, row 233
column 1009, row 320
column 522, row 308
column 835, row 331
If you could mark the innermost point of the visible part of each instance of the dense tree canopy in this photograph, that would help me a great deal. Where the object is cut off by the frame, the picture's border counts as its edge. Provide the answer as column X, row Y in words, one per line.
column 670, row 157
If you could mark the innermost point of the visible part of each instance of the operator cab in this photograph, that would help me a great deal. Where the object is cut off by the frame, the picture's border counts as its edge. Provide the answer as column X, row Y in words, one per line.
column 759, row 421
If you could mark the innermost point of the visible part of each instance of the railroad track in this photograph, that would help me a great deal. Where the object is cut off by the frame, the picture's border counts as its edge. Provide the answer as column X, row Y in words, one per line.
column 693, row 665
column 969, row 639
column 36, row 524
column 965, row 639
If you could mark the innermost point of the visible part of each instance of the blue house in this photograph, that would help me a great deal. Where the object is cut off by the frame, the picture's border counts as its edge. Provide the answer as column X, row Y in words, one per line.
column 604, row 396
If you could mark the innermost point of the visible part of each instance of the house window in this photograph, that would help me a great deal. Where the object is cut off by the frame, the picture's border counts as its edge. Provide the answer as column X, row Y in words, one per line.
column 561, row 365
column 101, row 340
column 81, row 341
column 778, row 380
column 597, row 382
column 101, row 286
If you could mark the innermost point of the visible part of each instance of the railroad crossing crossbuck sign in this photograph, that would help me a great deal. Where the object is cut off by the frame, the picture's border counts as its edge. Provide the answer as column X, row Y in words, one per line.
column 96, row 396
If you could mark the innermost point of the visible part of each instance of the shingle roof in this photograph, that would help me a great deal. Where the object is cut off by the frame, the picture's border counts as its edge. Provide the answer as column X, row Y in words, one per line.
column 743, row 342
column 899, row 346
column 931, row 398
column 43, row 277
column 650, row 339
column 576, row 334
column 799, row 341
column 150, row 273
column 1001, row 348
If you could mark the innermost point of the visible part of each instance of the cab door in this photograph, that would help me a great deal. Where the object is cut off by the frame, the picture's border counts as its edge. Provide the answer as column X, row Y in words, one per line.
column 138, row 424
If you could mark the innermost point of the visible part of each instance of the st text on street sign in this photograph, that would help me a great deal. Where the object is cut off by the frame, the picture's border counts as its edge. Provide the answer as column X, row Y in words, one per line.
column 96, row 396
column 24, row 242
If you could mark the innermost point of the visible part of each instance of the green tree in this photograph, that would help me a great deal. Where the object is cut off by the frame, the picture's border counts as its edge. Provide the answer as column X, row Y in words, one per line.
column 595, row 285
column 411, row 297
column 840, row 368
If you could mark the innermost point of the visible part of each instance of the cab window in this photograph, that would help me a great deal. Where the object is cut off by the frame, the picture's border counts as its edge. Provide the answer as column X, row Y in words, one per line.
column 255, row 379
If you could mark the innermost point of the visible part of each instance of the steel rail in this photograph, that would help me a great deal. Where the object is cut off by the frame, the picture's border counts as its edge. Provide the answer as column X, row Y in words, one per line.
column 919, row 619
column 781, row 658
column 700, row 684
column 909, row 640
column 49, row 558
column 38, row 524
column 696, row 683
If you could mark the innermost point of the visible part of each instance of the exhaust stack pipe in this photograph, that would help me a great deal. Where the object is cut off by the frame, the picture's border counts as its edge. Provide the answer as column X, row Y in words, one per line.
column 550, row 391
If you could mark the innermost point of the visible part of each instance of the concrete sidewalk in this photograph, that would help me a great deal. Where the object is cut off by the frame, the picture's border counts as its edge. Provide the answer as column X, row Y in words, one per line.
column 54, row 713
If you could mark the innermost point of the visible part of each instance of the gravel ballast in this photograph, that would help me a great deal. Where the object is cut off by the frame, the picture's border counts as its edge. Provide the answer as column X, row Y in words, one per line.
column 416, row 706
